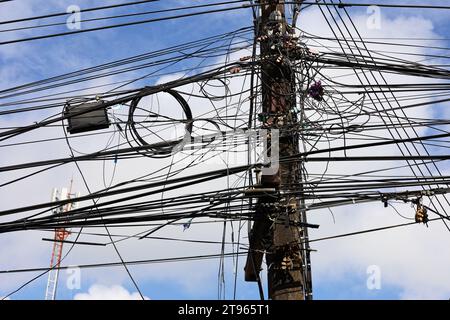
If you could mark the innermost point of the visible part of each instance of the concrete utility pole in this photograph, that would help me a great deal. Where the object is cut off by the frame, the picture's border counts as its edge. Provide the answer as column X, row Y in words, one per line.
column 279, row 227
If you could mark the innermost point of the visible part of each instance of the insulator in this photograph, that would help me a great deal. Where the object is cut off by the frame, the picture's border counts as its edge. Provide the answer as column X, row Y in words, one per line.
column 421, row 215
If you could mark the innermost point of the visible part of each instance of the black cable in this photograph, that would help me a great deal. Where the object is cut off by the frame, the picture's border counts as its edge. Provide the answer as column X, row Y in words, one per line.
column 81, row 10
column 122, row 15
column 119, row 25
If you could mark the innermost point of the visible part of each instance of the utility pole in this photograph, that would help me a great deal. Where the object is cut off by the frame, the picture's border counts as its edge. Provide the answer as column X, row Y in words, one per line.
column 280, row 226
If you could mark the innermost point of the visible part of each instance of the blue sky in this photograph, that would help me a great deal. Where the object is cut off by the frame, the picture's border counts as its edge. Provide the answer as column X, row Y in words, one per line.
column 30, row 61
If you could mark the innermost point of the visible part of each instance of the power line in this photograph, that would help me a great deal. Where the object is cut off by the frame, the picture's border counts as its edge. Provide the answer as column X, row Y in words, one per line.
column 122, row 25
column 81, row 10
column 122, row 15
column 343, row 5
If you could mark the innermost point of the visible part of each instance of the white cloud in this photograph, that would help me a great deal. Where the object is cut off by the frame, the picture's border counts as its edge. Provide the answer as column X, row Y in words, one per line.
column 114, row 292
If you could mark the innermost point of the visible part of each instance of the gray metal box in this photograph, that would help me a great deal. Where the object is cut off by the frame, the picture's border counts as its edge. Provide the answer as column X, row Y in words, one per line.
column 89, row 121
